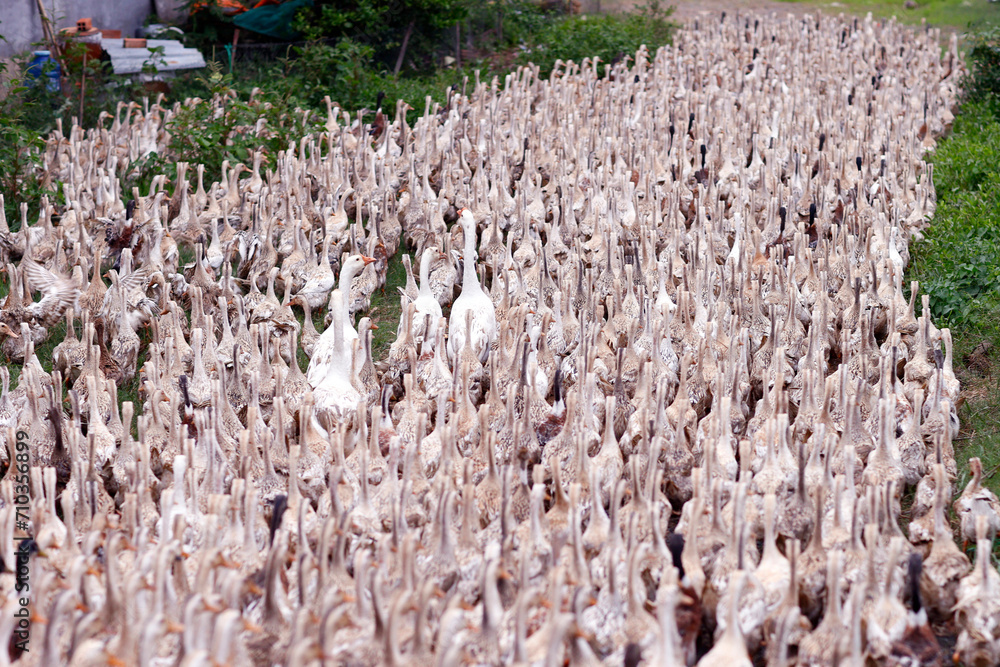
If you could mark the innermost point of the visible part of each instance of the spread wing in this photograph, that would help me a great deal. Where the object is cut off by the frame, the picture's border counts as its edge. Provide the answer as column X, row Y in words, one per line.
column 40, row 278
column 58, row 292
column 137, row 279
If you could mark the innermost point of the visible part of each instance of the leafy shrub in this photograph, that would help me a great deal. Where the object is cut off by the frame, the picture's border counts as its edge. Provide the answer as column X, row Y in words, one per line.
column 382, row 25
column 983, row 59
column 233, row 126
column 343, row 70
column 20, row 166
column 21, row 144
column 507, row 23
column 608, row 37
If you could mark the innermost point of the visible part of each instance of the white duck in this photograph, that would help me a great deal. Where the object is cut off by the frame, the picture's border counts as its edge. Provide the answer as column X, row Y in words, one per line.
column 472, row 299
column 426, row 303
column 330, row 369
column 349, row 270
column 324, row 349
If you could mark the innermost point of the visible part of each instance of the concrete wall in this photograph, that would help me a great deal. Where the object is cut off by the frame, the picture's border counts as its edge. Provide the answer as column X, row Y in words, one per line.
column 21, row 24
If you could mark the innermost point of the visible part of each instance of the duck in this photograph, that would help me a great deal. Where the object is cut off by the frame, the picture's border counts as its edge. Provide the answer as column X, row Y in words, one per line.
column 428, row 309
column 350, row 269
column 59, row 293
column 408, row 293
column 773, row 571
column 828, row 639
column 125, row 345
column 8, row 334
column 524, row 451
column 730, row 649
column 687, row 609
column 977, row 607
column 945, row 564
column 320, row 280
column 330, row 372
column 323, row 349
column 337, row 221
column 472, row 299
column 918, row 645
column 976, row 501
column 310, row 336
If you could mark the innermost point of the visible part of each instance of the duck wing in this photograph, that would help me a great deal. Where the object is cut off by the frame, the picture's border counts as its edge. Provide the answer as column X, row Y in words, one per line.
column 40, row 278
column 138, row 279
column 58, row 292
column 133, row 286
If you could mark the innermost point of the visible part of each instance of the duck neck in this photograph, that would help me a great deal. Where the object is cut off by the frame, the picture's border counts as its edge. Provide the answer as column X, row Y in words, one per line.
column 347, row 276
column 425, row 274
column 492, row 606
column 469, row 278
column 338, row 326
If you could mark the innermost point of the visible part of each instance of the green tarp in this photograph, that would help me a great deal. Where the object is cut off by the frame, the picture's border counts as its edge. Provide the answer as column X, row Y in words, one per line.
column 272, row 20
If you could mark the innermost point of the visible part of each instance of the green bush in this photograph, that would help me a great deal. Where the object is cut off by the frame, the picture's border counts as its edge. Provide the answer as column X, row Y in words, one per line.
column 231, row 134
column 21, row 108
column 344, row 71
column 609, row 37
column 381, row 25
column 504, row 24
column 982, row 85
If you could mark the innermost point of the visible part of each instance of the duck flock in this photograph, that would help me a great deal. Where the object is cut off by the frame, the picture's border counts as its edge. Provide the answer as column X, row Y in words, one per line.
column 656, row 396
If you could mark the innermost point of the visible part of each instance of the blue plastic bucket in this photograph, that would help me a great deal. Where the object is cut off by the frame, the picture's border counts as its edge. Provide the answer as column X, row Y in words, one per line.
column 39, row 68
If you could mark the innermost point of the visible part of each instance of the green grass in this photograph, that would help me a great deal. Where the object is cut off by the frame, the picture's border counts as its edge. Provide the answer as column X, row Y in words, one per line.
column 385, row 308
column 956, row 265
column 957, row 262
column 954, row 13
column 980, row 429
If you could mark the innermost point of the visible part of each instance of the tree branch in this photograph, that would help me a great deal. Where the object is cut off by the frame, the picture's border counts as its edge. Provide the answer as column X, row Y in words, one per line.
column 402, row 49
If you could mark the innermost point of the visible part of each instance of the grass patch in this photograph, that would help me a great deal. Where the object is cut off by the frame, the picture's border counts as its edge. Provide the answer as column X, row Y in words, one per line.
column 956, row 265
column 385, row 308
column 980, row 429
column 935, row 12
